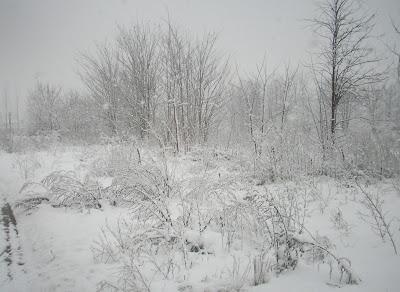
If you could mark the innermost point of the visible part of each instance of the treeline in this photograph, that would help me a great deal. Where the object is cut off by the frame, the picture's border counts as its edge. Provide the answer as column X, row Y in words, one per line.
column 160, row 84
column 153, row 82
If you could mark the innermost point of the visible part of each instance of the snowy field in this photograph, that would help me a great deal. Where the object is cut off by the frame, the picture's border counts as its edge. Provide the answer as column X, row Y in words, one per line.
column 103, row 218
column 200, row 146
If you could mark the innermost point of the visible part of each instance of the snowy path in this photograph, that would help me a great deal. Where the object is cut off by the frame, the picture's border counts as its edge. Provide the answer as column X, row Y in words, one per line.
column 11, row 256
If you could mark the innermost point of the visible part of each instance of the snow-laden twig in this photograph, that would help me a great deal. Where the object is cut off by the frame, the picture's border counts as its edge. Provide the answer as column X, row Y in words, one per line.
column 375, row 205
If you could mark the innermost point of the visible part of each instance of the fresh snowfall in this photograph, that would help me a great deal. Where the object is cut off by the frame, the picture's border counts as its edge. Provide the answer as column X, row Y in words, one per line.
column 172, row 168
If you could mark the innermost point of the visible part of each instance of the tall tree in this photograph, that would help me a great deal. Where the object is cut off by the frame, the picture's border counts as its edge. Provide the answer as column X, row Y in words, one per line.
column 139, row 58
column 101, row 75
column 194, row 82
column 346, row 63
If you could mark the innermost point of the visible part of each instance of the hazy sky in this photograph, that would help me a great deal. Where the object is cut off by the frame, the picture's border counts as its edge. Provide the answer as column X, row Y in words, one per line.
column 41, row 38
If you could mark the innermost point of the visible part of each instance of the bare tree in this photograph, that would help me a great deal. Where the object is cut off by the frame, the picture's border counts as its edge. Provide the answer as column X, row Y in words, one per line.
column 209, row 80
column 394, row 49
column 267, row 99
column 346, row 63
column 194, row 82
column 285, row 93
column 76, row 118
column 139, row 58
column 175, row 56
column 252, row 92
column 101, row 75
column 319, row 112
column 43, row 107
column 6, row 134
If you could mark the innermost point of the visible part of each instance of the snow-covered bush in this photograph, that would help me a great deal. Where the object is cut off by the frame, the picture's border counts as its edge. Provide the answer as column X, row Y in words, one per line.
column 284, row 234
column 172, row 224
column 151, row 238
column 141, row 183
column 134, row 245
column 28, row 204
column 65, row 189
column 261, row 269
column 278, row 230
column 376, row 216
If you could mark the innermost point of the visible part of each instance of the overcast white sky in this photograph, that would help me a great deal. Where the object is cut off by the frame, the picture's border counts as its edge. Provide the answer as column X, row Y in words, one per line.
column 41, row 38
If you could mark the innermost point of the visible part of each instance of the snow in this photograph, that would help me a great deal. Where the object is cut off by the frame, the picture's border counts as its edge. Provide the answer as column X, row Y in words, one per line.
column 57, row 243
column 59, row 247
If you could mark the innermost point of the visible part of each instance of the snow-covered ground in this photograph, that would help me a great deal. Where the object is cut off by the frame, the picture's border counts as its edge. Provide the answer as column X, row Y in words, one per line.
column 53, row 248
